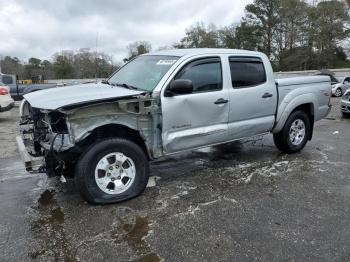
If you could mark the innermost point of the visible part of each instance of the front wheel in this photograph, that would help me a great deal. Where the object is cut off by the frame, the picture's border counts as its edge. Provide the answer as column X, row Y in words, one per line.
column 112, row 170
column 294, row 135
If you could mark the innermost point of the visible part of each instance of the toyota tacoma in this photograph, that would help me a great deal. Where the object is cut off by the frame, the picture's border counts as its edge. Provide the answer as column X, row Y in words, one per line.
column 104, row 135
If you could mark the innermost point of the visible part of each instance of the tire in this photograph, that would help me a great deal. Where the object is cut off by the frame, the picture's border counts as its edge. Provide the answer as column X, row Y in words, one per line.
column 290, row 141
column 338, row 92
column 130, row 170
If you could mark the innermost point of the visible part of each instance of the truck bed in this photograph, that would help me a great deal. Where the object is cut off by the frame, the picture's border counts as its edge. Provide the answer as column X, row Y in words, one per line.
column 309, row 88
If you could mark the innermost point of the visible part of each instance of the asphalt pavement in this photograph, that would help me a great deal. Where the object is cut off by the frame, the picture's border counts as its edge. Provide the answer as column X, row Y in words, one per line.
column 244, row 201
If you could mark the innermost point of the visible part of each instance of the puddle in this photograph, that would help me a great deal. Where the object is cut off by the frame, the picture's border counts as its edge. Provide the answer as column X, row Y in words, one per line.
column 46, row 198
column 57, row 216
column 48, row 230
column 133, row 229
column 149, row 258
column 133, row 232
column 137, row 232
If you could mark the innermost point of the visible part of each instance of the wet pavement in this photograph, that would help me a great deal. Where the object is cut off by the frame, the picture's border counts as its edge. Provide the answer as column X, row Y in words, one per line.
column 241, row 202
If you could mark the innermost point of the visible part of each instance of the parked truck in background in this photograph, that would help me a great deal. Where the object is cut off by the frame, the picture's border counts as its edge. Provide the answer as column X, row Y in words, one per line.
column 161, row 103
column 17, row 90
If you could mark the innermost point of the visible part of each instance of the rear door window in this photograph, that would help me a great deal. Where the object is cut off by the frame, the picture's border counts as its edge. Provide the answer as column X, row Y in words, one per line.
column 247, row 72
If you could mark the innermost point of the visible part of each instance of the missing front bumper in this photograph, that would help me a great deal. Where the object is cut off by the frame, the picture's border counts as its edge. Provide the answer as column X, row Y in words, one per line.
column 31, row 164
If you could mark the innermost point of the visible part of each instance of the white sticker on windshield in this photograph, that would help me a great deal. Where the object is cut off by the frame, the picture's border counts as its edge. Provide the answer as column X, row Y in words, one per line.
column 166, row 62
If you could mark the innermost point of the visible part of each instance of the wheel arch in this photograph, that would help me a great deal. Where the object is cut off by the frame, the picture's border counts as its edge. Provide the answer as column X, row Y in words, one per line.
column 116, row 130
column 309, row 109
column 306, row 103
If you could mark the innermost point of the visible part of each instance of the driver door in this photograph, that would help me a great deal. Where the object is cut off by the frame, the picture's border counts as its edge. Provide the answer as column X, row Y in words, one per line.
column 199, row 118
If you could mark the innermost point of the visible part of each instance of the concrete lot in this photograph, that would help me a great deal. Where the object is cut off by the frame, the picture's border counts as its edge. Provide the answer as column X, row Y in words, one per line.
column 243, row 202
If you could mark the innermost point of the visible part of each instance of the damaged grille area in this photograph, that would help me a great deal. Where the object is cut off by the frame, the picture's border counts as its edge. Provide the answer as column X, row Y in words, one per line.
column 38, row 129
column 34, row 130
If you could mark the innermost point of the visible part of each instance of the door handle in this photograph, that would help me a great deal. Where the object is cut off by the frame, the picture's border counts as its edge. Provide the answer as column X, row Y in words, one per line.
column 220, row 101
column 267, row 95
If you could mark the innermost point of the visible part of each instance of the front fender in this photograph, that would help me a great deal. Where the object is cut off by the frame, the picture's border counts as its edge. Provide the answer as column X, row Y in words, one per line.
column 289, row 105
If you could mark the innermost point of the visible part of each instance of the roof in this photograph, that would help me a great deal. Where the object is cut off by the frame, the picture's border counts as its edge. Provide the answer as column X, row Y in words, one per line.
column 199, row 51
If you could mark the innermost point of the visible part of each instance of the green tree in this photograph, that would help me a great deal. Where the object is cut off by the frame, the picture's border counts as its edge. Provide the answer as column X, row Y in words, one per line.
column 34, row 62
column 47, row 69
column 263, row 17
column 137, row 48
column 328, row 30
column 248, row 36
column 200, row 36
column 32, row 68
column 11, row 65
column 292, row 36
column 63, row 67
column 227, row 37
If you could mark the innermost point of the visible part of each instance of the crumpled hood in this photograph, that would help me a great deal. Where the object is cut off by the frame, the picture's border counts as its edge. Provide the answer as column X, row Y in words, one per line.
column 59, row 97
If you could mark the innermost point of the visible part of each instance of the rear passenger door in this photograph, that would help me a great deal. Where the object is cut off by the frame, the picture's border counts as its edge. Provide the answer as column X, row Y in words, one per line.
column 253, row 97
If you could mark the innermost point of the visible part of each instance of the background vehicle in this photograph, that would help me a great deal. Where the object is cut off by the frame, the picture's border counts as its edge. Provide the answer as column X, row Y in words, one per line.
column 6, row 102
column 345, row 104
column 339, row 88
column 164, row 103
column 18, row 90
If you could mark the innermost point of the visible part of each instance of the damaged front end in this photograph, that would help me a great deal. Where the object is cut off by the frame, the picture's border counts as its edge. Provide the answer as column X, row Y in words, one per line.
column 44, row 135
column 52, row 141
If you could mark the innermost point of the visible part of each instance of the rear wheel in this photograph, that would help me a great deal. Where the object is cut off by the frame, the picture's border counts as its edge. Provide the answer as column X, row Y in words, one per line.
column 294, row 135
column 338, row 92
column 112, row 170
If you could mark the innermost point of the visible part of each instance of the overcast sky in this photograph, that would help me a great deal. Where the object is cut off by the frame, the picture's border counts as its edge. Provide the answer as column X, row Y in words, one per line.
column 39, row 28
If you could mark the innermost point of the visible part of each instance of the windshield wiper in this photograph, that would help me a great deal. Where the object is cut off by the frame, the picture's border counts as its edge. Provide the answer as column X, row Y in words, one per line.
column 127, row 86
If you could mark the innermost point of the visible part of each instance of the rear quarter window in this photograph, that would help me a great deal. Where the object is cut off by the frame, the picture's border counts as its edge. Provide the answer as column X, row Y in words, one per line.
column 247, row 72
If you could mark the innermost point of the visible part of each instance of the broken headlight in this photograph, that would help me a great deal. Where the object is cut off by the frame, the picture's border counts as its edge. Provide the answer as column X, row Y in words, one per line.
column 58, row 123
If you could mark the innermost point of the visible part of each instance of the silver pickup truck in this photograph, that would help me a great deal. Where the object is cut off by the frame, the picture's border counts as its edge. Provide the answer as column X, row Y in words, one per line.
column 163, row 103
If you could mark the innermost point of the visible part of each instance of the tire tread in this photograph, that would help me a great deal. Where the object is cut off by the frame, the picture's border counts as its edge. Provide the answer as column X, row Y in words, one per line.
column 84, row 166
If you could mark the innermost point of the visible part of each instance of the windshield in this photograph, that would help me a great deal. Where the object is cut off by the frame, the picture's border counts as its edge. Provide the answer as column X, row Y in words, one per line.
column 144, row 72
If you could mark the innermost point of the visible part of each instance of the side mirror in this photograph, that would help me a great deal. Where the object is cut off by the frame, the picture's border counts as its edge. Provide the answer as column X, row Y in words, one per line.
column 179, row 87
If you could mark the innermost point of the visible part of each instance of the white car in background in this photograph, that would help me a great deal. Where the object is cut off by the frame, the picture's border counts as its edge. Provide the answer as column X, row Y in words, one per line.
column 345, row 104
column 339, row 88
column 6, row 102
